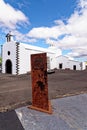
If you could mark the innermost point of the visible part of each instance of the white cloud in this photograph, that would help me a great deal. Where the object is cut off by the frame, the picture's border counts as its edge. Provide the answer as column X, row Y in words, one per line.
column 77, row 24
column 22, row 37
column 79, row 52
column 83, row 4
column 45, row 32
column 71, row 35
column 10, row 17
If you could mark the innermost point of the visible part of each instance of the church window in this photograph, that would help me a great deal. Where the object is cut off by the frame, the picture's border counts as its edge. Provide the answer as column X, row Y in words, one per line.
column 8, row 52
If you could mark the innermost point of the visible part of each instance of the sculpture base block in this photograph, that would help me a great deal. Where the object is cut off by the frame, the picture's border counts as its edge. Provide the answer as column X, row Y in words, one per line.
column 42, row 110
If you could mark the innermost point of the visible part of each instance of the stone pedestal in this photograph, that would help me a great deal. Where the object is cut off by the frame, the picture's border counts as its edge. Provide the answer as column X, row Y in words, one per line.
column 40, row 83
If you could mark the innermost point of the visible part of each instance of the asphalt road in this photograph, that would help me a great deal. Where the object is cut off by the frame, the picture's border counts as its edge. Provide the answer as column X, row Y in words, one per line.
column 15, row 91
column 10, row 121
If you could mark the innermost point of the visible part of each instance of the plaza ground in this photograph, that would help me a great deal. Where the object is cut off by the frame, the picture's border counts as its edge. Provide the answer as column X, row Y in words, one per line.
column 16, row 91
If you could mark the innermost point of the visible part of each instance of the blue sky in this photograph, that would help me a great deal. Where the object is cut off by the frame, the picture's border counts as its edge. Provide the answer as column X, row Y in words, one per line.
column 62, row 23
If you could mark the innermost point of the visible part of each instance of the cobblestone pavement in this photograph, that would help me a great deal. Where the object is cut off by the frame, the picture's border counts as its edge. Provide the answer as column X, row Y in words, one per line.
column 15, row 91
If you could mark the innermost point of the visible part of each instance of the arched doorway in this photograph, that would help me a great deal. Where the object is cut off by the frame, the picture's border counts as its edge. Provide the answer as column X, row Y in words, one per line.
column 8, row 67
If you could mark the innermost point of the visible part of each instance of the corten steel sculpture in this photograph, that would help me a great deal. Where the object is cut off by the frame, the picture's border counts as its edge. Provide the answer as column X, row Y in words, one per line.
column 39, row 83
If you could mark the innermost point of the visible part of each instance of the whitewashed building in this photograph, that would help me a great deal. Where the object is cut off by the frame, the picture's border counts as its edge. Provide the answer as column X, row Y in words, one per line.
column 65, row 62
column 16, row 57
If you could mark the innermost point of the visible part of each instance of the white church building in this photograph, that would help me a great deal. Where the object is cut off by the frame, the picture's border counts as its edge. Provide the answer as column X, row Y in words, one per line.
column 16, row 57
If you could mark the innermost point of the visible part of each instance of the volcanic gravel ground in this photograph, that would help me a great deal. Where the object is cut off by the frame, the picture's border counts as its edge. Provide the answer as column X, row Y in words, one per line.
column 16, row 91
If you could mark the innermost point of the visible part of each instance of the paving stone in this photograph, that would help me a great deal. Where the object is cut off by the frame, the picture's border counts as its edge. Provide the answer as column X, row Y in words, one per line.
column 68, row 114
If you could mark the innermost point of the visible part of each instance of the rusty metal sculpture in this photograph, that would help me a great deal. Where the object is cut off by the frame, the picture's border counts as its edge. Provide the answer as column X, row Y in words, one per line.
column 39, row 83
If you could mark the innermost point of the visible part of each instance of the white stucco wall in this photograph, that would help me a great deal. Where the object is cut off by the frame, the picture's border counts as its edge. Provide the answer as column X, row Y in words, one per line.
column 83, row 64
column 77, row 63
column 62, row 60
column 9, row 46
column 22, row 60
column 29, row 50
column 67, row 63
column 24, row 56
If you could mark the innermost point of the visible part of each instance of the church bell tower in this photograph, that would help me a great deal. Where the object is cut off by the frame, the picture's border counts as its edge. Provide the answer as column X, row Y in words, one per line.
column 9, row 37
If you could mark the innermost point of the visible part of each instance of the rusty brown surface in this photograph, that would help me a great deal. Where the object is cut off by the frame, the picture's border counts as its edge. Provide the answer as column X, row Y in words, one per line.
column 39, row 81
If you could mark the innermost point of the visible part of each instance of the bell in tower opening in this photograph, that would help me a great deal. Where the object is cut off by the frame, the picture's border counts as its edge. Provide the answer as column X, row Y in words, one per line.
column 9, row 37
